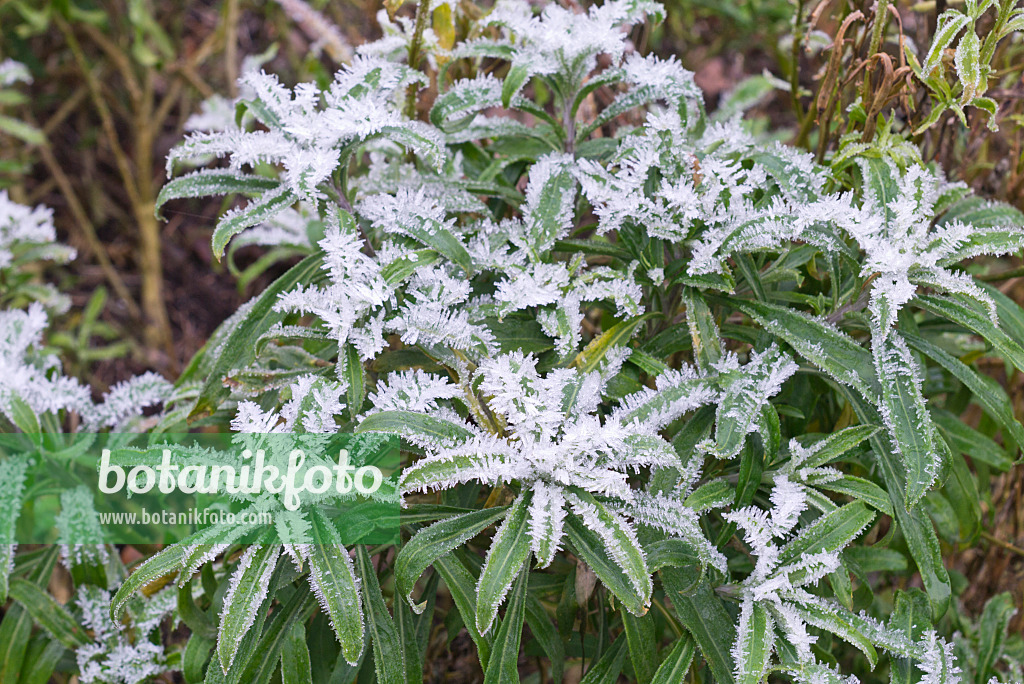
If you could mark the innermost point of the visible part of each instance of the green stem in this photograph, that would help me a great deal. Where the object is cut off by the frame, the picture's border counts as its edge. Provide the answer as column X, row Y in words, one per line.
column 877, row 33
column 794, row 72
column 415, row 47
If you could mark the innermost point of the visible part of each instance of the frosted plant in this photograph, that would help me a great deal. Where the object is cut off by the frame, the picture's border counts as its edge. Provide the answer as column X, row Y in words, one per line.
column 28, row 373
column 904, row 251
column 559, row 41
column 22, row 227
column 83, row 551
column 572, row 466
column 580, row 300
column 412, row 390
column 122, row 653
column 351, row 304
column 746, row 391
column 776, row 606
column 314, row 404
column 126, row 400
column 308, row 134
column 27, row 235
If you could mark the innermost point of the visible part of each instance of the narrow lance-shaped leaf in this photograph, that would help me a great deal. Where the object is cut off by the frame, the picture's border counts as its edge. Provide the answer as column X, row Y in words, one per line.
column 907, row 418
column 431, row 543
column 607, row 544
column 677, row 663
column 332, row 576
column 266, row 207
column 12, row 488
column 509, row 550
column 503, row 665
column 755, row 639
column 209, row 182
column 995, row 620
column 250, row 583
column 388, row 659
column 50, row 615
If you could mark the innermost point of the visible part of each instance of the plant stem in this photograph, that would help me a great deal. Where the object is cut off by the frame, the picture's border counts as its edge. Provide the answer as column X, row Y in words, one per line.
column 415, row 46
column 1002, row 544
column 794, row 71
column 877, row 33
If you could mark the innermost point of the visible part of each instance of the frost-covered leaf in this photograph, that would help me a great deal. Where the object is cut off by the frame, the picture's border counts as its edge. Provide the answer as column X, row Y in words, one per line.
column 333, row 580
column 509, row 551
column 250, row 583
column 12, row 488
column 905, row 414
column 435, row 541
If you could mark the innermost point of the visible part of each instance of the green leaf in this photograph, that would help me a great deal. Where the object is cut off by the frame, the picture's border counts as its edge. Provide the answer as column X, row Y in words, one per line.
column 250, row 583
column 548, row 214
column 704, row 616
column 837, row 444
column 859, row 488
column 966, row 440
column 295, row 665
column 755, row 640
column 674, row 552
column 619, row 334
column 209, row 182
column 405, row 625
column 956, row 311
column 410, row 423
column 607, row 668
column 163, row 563
column 510, row 549
column 21, row 130
column 912, row 616
column 967, row 60
column 546, row 635
column 843, row 624
column 676, row 664
column 195, row 657
column 388, row 659
column 50, row 615
column 401, row 268
column 916, row 528
column 332, row 576
column 740, row 404
column 261, row 658
column 194, row 618
column 611, row 552
column 643, row 645
column 503, row 665
column 237, row 348
column 995, row 620
column 829, row 533
column 39, row 669
column 518, row 75
column 12, row 488
column 266, row 207
column 462, row 587
column 909, row 423
column 706, row 340
column 433, row 542
column 962, row 492
column 16, row 626
column 949, row 24
column 823, row 345
column 355, row 373
column 986, row 391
